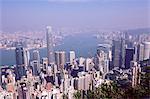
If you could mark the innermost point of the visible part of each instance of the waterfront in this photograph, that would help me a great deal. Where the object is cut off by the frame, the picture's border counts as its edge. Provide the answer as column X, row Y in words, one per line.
column 83, row 45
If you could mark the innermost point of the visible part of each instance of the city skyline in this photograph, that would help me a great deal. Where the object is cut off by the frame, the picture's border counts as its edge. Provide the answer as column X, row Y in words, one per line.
column 94, row 14
column 74, row 49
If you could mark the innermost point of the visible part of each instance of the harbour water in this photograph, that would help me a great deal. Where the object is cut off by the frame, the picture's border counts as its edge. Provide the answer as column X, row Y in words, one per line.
column 84, row 45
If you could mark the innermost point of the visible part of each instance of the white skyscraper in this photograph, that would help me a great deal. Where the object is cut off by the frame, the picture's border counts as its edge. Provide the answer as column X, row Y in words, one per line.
column 102, row 62
column 140, row 52
column 71, row 57
column 49, row 45
column 26, row 57
column 146, row 50
column 88, row 64
column 81, row 61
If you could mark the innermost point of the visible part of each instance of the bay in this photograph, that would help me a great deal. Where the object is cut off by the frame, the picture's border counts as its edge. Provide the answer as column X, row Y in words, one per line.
column 83, row 44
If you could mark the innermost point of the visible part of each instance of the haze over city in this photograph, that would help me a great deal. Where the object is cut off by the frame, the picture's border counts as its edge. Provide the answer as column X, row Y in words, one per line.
column 17, row 15
column 74, row 49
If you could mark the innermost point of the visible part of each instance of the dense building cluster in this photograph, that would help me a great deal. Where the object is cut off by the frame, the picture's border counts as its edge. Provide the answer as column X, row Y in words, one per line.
column 62, row 74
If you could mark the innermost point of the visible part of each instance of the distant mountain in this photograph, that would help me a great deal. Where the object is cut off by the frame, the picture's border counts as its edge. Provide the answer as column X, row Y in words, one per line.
column 138, row 31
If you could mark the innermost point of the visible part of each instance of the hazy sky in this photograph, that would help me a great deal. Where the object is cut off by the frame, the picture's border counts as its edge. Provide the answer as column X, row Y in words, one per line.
column 104, row 14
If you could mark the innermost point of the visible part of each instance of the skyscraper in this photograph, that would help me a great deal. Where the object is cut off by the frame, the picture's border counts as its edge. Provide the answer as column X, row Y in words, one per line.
column 129, row 56
column 35, row 67
column 60, row 59
column 136, row 69
column 57, row 60
column 71, row 57
column 101, row 61
column 116, row 53
column 88, row 63
column 20, row 62
column 122, row 56
column 26, row 57
column 50, row 53
column 19, row 55
column 140, row 52
column 146, row 50
column 35, row 63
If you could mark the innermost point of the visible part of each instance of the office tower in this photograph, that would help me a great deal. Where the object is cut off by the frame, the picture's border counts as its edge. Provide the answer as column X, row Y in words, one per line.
column 118, row 51
column 50, row 53
column 35, row 63
column 129, row 56
column 20, row 62
column 146, row 50
column 26, row 57
column 140, row 52
column 60, row 59
column 122, row 56
column 71, row 57
column 19, row 55
column 136, row 69
column 35, row 67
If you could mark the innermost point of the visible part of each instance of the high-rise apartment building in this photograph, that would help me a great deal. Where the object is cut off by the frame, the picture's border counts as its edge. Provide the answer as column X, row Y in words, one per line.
column 146, row 50
column 140, row 52
column 135, row 73
column 71, row 57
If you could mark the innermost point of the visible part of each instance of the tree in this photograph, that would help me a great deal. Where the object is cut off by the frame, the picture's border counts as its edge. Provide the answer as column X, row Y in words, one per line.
column 65, row 96
column 77, row 95
column 90, row 94
column 115, row 91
